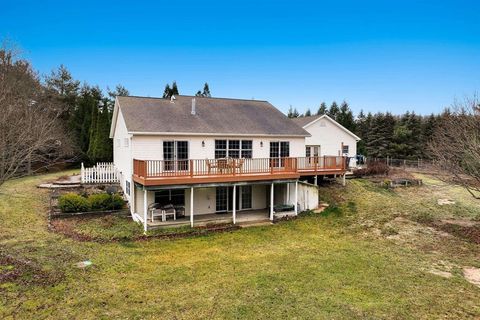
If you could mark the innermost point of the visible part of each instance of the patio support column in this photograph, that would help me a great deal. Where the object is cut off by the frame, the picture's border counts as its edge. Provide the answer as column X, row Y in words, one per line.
column 234, row 209
column 296, row 197
column 271, row 202
column 343, row 180
column 316, row 180
column 191, row 207
column 288, row 192
column 145, row 210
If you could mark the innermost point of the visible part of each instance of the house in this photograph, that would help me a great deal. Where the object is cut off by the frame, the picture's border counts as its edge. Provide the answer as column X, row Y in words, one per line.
column 328, row 137
column 198, row 159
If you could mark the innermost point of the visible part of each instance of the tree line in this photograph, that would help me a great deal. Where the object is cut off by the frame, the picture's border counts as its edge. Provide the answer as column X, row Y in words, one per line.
column 383, row 134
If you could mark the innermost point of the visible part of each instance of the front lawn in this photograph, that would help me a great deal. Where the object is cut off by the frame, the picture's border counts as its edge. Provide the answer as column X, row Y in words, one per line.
column 368, row 256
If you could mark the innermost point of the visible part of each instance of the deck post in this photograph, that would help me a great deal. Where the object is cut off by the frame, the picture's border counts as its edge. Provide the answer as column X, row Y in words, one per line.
column 271, row 201
column 296, row 197
column 234, row 209
column 316, row 180
column 343, row 180
column 288, row 192
column 191, row 207
column 145, row 210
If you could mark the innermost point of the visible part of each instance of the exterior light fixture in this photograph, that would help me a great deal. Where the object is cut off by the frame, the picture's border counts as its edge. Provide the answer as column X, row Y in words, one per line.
column 203, row 144
column 261, row 144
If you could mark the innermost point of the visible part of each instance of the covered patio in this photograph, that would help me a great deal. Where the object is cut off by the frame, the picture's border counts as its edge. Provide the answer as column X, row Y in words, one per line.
column 202, row 204
column 242, row 217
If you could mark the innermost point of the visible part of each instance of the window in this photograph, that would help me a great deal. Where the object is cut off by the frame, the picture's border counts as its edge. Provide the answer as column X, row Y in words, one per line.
column 175, row 197
column 345, row 149
column 246, row 197
column 312, row 151
column 323, row 123
column 126, row 142
column 233, row 149
column 127, row 187
column 220, row 149
column 247, row 149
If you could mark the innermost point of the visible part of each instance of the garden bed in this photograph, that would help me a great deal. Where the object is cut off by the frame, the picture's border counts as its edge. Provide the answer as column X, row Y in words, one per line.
column 109, row 228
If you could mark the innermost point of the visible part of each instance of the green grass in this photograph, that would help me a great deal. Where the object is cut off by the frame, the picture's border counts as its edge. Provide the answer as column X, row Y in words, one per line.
column 326, row 265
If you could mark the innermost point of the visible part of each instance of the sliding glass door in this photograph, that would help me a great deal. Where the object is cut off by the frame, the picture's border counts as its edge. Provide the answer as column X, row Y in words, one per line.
column 278, row 151
column 224, row 198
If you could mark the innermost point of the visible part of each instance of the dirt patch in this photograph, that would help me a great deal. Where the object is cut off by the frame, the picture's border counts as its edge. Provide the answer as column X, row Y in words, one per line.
column 470, row 233
column 443, row 202
column 444, row 274
column 472, row 275
column 67, row 228
column 18, row 270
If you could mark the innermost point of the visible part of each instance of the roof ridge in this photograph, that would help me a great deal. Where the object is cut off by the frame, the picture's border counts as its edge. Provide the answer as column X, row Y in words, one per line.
column 189, row 96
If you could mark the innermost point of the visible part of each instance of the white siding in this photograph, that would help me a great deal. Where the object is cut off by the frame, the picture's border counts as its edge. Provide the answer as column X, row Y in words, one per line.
column 330, row 138
column 122, row 156
column 151, row 147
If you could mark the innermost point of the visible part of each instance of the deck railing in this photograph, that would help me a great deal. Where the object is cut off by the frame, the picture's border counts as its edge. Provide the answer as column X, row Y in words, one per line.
column 233, row 167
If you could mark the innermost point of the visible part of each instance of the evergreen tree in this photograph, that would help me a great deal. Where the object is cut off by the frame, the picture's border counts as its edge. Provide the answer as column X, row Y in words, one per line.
column 93, row 135
column 322, row 109
column 103, row 148
column 296, row 114
column 308, row 113
column 206, row 91
column 290, row 112
column 174, row 89
column 345, row 117
column 333, row 111
column 62, row 83
column 167, row 93
column 199, row 94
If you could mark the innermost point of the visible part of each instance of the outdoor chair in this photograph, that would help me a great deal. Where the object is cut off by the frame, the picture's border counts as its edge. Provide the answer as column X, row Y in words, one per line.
column 155, row 211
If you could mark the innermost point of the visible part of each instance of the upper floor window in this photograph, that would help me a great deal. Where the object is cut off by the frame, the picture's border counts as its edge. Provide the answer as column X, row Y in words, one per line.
column 345, row 149
column 233, row 149
column 279, row 149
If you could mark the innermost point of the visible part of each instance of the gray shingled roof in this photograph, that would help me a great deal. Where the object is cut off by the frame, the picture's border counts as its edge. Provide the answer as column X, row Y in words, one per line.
column 213, row 115
column 303, row 121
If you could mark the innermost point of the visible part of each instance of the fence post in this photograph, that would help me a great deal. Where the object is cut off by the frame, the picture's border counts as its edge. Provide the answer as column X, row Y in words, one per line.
column 82, row 174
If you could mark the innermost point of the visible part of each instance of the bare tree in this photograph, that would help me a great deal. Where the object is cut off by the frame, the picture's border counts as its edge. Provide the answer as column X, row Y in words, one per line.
column 456, row 143
column 31, row 135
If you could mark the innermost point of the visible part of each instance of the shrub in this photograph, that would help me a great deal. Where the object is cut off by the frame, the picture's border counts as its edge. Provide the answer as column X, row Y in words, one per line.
column 373, row 168
column 104, row 201
column 99, row 201
column 72, row 202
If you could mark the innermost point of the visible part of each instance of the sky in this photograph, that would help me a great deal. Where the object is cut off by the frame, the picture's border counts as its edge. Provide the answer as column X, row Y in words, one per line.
column 376, row 55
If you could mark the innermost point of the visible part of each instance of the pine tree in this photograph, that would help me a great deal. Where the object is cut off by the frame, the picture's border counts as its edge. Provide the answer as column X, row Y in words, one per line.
column 308, row 113
column 322, row 109
column 290, row 112
column 199, row 94
column 62, row 83
column 206, row 91
column 296, row 114
column 167, row 93
column 333, row 111
column 102, row 144
column 345, row 117
column 93, row 135
column 174, row 89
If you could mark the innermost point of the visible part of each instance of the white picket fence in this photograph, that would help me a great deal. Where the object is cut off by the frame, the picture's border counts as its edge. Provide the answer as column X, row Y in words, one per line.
column 102, row 172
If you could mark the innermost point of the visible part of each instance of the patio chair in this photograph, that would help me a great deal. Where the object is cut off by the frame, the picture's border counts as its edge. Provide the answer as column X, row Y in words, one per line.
column 155, row 211
column 169, row 210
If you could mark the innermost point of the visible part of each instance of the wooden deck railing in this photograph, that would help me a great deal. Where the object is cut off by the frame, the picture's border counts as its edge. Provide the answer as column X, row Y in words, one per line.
column 236, row 167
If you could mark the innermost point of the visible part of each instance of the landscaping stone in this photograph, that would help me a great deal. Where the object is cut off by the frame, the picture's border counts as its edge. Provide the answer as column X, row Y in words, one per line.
column 472, row 275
